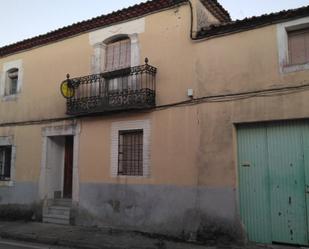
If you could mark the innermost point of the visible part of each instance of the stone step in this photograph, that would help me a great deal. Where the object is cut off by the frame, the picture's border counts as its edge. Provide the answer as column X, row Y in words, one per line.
column 59, row 210
column 62, row 202
column 56, row 219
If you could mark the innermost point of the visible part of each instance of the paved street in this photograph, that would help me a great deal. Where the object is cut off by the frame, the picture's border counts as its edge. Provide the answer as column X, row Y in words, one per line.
column 5, row 244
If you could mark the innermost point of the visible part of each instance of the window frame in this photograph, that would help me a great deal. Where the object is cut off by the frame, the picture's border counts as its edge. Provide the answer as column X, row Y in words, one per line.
column 9, row 81
column 292, row 34
column 18, row 64
column 118, row 41
column 3, row 152
column 124, row 159
column 283, row 29
column 133, row 125
column 98, row 61
column 6, row 142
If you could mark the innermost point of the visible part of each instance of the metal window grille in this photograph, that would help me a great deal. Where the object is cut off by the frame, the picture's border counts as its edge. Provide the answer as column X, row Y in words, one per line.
column 13, row 86
column 5, row 162
column 130, row 153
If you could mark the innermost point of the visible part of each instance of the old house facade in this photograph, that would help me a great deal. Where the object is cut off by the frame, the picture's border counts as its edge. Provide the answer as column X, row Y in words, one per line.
column 173, row 119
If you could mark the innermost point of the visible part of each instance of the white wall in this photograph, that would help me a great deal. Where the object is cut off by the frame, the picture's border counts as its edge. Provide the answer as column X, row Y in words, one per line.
column 55, row 164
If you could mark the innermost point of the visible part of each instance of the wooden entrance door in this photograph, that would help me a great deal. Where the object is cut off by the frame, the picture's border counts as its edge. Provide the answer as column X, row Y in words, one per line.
column 68, row 168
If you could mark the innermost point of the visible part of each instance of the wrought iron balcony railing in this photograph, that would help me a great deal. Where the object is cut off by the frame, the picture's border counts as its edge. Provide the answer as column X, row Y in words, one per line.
column 124, row 89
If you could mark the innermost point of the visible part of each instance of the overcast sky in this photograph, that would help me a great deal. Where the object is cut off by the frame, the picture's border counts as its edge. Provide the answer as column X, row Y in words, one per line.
column 21, row 19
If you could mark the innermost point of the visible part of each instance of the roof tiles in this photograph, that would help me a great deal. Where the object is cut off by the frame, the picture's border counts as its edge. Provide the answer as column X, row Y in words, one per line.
column 125, row 14
column 252, row 22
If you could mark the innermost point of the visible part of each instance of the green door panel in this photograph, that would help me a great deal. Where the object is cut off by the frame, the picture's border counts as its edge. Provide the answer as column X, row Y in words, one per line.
column 286, row 170
column 306, row 167
column 253, row 183
column 273, row 168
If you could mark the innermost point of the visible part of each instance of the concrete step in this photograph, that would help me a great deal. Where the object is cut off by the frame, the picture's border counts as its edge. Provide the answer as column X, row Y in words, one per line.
column 62, row 202
column 59, row 210
column 56, row 219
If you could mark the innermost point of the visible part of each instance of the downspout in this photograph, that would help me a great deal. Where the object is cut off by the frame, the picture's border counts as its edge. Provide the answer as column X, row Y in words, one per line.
column 192, row 20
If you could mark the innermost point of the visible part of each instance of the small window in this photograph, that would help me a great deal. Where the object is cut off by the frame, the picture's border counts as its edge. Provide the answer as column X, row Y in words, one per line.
column 5, row 162
column 11, row 82
column 298, row 46
column 130, row 153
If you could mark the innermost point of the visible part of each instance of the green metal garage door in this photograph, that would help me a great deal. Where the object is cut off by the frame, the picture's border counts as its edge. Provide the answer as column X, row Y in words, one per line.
column 273, row 160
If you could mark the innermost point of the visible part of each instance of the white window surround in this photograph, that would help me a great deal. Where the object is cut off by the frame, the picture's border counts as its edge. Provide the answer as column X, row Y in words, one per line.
column 283, row 46
column 131, row 125
column 99, row 38
column 9, row 141
column 18, row 64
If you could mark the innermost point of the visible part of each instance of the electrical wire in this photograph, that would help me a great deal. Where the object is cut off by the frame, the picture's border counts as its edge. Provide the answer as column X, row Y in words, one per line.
column 240, row 95
column 279, row 91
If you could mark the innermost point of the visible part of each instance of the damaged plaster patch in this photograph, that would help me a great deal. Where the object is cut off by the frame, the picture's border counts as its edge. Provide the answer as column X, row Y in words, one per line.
column 214, row 230
column 166, row 210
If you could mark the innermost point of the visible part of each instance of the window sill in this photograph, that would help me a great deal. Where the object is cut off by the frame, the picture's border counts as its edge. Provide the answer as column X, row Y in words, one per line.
column 295, row 68
column 131, row 177
column 9, row 183
column 10, row 97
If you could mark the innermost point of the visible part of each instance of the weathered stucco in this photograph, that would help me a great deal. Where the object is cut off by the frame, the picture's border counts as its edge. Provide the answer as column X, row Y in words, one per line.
column 173, row 150
column 177, row 211
column 20, row 193
column 192, row 182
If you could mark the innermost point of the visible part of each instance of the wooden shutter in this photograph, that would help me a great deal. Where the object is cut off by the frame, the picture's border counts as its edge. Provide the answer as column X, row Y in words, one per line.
column 299, row 46
column 109, row 57
column 118, row 55
column 125, row 53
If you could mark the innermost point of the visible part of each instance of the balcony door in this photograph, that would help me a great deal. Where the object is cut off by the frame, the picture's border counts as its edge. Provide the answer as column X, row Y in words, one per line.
column 118, row 56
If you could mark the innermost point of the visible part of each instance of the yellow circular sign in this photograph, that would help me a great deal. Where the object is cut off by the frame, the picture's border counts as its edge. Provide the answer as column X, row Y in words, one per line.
column 66, row 90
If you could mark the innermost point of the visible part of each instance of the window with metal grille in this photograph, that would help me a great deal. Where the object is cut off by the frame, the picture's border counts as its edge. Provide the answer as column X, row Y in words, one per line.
column 5, row 162
column 130, row 153
column 298, row 46
column 12, row 82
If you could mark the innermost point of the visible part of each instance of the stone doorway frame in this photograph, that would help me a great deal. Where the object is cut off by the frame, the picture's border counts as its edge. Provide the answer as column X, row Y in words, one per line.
column 54, row 131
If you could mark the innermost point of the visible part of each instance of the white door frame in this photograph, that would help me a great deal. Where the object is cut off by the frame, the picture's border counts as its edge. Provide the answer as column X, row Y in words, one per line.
column 53, row 131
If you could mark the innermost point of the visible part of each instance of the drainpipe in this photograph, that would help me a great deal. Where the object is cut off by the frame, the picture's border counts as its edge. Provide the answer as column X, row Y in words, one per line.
column 192, row 20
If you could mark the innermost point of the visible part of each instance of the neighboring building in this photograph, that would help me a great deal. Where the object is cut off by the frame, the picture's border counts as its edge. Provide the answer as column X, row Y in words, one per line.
column 206, row 138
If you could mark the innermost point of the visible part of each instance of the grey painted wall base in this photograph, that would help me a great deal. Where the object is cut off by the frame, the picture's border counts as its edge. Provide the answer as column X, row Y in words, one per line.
column 20, row 202
column 187, row 212
column 20, row 193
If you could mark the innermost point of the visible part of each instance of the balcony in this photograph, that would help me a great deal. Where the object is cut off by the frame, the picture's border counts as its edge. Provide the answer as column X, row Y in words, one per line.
column 125, row 89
